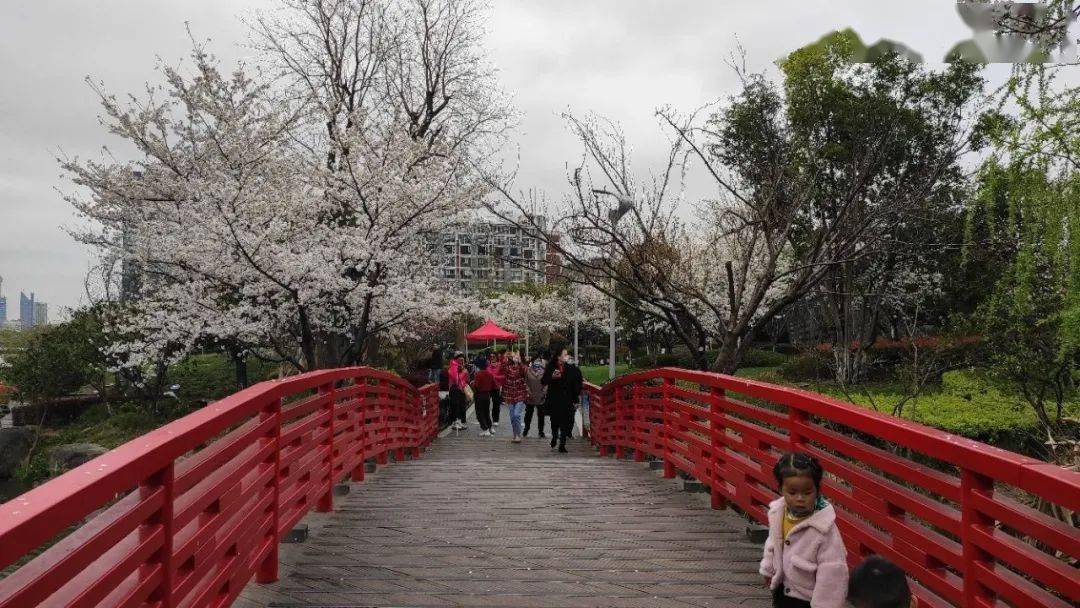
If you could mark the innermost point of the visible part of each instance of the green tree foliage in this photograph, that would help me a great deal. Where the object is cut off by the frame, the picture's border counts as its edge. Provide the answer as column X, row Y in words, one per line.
column 59, row 359
column 880, row 142
column 1025, row 212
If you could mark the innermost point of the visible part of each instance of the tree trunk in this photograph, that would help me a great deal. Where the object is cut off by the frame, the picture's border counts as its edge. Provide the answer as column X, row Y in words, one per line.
column 727, row 361
column 307, row 342
column 371, row 349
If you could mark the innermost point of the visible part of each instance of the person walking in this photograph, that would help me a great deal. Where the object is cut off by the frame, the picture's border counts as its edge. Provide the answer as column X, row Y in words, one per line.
column 564, row 382
column 435, row 365
column 500, row 379
column 458, row 381
column 537, row 395
column 483, row 386
column 515, row 391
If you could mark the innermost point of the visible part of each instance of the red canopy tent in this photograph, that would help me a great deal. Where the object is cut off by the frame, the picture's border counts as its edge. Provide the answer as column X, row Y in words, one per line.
column 490, row 332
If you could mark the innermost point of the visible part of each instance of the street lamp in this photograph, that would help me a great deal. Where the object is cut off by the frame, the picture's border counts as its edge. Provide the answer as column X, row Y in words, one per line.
column 626, row 205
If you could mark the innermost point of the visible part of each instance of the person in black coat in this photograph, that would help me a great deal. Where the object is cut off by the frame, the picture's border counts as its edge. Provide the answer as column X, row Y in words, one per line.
column 564, row 383
column 435, row 365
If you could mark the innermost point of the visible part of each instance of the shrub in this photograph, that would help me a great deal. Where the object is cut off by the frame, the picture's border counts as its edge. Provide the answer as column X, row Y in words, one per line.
column 969, row 403
column 757, row 357
column 673, row 360
column 211, row 376
column 806, row 366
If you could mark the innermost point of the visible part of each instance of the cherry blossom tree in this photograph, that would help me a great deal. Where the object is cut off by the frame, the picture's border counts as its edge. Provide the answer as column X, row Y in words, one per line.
column 240, row 236
column 401, row 103
column 215, row 217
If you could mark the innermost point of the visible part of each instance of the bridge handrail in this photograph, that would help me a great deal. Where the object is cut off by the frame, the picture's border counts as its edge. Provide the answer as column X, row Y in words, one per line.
column 186, row 514
column 947, row 509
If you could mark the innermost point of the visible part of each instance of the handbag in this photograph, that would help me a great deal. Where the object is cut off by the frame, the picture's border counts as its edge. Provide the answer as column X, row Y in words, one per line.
column 468, row 393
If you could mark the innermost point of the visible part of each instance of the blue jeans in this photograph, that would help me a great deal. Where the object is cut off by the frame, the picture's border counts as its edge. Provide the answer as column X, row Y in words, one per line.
column 585, row 411
column 517, row 411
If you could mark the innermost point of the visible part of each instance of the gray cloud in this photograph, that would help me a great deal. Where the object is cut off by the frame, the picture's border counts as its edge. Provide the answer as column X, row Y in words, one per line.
column 620, row 58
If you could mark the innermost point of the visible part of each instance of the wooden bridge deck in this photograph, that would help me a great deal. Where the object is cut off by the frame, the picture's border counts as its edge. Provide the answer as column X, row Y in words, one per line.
column 484, row 522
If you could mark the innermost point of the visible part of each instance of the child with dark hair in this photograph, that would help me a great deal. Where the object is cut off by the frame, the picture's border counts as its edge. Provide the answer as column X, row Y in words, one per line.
column 878, row 583
column 804, row 562
column 483, row 385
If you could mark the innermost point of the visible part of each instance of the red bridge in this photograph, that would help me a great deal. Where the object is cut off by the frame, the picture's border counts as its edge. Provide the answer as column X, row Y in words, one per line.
column 192, row 514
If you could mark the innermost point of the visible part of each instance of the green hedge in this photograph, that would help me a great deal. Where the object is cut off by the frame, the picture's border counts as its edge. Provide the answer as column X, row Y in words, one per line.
column 967, row 403
column 806, row 367
column 757, row 357
column 210, row 376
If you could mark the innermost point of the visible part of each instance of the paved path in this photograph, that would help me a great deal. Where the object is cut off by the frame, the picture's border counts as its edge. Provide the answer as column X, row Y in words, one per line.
column 484, row 522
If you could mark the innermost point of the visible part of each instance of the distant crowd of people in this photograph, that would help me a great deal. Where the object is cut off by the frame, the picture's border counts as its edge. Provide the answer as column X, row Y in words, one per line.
column 805, row 561
column 548, row 386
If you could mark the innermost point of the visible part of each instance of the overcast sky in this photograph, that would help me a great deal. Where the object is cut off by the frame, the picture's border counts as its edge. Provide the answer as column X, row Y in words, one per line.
column 619, row 58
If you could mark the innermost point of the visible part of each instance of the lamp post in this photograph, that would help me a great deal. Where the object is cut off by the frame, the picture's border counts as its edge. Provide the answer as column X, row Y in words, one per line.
column 625, row 206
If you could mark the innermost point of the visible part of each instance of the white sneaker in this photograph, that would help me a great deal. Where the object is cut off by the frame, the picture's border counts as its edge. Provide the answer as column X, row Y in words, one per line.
column 486, row 433
column 494, row 424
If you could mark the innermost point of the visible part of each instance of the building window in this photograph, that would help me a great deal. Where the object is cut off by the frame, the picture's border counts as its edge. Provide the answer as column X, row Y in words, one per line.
column 514, row 252
column 466, row 250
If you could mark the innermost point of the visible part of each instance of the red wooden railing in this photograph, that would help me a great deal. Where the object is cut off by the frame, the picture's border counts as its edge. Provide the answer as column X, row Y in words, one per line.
column 952, row 512
column 185, row 515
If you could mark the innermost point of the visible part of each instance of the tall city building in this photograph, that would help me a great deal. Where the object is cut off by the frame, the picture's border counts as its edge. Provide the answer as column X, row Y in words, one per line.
column 26, row 310
column 3, row 304
column 490, row 255
column 41, row 313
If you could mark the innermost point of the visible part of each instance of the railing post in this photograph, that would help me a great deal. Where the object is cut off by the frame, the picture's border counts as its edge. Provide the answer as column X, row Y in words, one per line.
column 164, row 479
column 399, row 397
column 971, row 483
column 637, row 423
column 326, row 501
column 600, row 432
column 383, row 456
column 669, row 467
column 361, row 431
column 621, row 426
column 717, row 429
column 616, row 406
column 268, row 569
column 419, row 423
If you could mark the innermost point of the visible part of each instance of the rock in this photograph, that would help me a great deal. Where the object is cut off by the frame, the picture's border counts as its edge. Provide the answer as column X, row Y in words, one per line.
column 15, row 444
column 68, row 456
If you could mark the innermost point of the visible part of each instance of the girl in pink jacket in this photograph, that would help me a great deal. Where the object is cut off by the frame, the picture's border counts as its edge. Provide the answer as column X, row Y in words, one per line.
column 805, row 561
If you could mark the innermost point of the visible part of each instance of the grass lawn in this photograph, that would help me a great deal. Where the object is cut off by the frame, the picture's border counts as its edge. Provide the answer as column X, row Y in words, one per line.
column 598, row 374
column 962, row 404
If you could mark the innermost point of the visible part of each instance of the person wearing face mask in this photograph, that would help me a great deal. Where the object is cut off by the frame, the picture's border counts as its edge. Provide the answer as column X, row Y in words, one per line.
column 515, row 391
column 537, row 395
column 564, row 383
